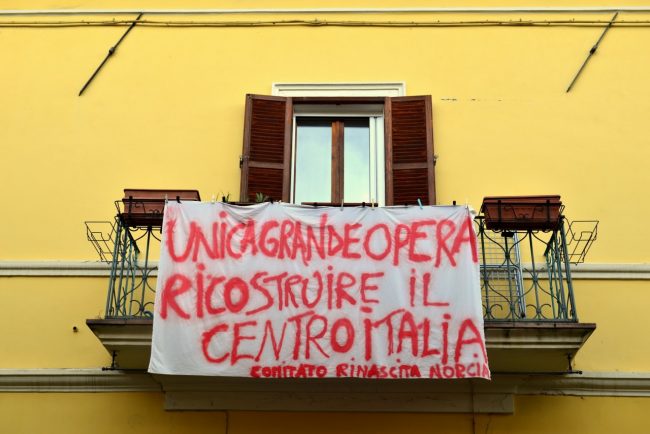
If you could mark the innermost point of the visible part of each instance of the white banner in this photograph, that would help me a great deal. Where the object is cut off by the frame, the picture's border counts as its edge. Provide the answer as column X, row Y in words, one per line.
column 278, row 291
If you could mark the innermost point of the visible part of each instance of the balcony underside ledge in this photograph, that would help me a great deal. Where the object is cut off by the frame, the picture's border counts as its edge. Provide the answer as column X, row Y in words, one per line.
column 336, row 394
column 129, row 340
column 512, row 346
column 534, row 346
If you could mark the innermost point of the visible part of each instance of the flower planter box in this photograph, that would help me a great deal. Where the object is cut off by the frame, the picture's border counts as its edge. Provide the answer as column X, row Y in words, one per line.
column 522, row 212
column 145, row 207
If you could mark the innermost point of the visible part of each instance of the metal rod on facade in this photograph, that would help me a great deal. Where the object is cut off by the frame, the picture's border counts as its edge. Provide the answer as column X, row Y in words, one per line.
column 111, row 280
column 567, row 267
column 562, row 308
column 134, row 273
column 486, row 282
column 145, row 273
column 592, row 51
column 519, row 277
column 538, row 309
column 550, row 266
column 125, row 251
column 513, row 314
column 109, row 54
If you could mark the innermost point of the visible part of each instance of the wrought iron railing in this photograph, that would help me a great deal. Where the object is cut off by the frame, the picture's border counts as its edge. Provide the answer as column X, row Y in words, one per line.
column 525, row 275
column 132, row 281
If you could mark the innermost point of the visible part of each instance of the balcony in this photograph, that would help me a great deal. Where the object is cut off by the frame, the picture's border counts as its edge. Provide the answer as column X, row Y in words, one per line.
column 530, row 312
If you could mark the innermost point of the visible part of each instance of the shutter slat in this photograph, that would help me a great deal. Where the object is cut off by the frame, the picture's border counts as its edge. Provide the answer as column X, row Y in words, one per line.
column 267, row 148
column 409, row 150
column 408, row 185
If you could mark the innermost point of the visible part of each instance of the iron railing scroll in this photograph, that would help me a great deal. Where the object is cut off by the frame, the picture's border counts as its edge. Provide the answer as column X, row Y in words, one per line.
column 526, row 274
column 132, row 281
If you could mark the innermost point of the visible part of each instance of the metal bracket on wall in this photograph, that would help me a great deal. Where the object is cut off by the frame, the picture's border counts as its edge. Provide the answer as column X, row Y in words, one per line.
column 111, row 51
column 592, row 51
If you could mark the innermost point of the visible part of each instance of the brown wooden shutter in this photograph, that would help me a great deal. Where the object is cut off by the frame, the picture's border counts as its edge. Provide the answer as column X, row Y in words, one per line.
column 266, row 159
column 409, row 150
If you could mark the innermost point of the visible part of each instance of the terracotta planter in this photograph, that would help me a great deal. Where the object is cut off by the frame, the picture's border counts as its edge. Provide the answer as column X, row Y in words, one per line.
column 522, row 212
column 145, row 207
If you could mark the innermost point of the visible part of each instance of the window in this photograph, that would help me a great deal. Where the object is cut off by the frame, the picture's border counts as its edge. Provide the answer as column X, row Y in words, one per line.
column 338, row 154
column 332, row 149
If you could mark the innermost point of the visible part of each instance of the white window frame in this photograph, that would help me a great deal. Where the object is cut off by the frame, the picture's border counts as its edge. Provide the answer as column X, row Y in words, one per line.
column 374, row 112
column 375, row 115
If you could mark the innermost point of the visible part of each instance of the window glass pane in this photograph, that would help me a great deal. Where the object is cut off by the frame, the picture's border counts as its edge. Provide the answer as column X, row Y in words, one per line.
column 356, row 160
column 313, row 176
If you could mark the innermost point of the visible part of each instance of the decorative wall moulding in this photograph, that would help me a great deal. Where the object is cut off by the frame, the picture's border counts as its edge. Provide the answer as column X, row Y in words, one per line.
column 102, row 269
column 397, row 88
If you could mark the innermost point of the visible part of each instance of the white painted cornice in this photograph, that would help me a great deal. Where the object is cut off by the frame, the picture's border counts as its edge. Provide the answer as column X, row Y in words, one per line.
column 54, row 268
column 615, row 384
column 633, row 384
column 101, row 269
column 611, row 271
column 386, row 10
column 75, row 380
column 58, row 268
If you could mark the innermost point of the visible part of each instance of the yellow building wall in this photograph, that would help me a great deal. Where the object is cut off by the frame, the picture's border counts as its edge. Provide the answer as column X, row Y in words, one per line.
column 621, row 341
column 38, row 320
column 142, row 413
column 40, row 314
column 167, row 112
